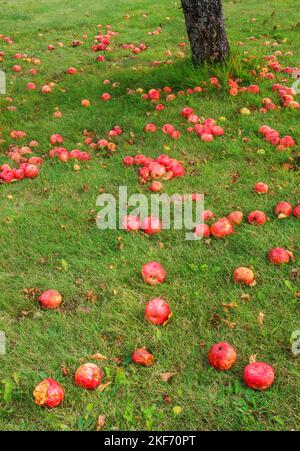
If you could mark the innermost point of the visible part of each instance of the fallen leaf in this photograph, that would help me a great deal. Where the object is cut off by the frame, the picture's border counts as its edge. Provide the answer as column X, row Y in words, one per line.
column 246, row 297
column 228, row 323
column 167, row 399
column 91, row 295
column 231, row 305
column 165, row 377
column 252, row 358
column 98, row 356
column 103, row 387
column 101, row 422
column 31, row 293
column 260, row 318
column 294, row 274
column 215, row 320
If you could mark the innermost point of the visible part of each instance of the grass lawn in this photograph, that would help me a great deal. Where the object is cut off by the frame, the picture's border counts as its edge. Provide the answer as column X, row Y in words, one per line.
column 49, row 238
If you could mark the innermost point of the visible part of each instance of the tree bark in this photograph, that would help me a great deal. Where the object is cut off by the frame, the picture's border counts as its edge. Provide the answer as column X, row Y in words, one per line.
column 206, row 30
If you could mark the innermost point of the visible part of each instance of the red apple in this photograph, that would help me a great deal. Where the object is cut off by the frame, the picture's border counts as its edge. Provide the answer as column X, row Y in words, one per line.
column 244, row 275
column 85, row 103
column 48, row 393
column 150, row 128
column 236, row 217
column 106, row 97
column 142, row 357
column 158, row 311
column 155, row 187
column 257, row 218
column 296, row 211
column 222, row 356
column 131, row 223
column 259, row 375
column 151, row 225
column 283, row 210
column 202, row 230
column 72, row 71
column 222, row 228
column 153, row 273
column 279, row 255
column 51, row 299
column 88, row 376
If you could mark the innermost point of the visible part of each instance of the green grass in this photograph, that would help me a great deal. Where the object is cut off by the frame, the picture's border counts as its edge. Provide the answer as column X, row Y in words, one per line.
column 48, row 239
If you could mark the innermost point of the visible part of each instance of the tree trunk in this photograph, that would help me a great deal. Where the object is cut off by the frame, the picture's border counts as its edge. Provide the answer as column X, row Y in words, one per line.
column 206, row 30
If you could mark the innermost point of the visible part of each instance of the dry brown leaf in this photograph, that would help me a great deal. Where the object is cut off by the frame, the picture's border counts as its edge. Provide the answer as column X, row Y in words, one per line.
column 228, row 323
column 165, row 377
column 103, row 387
column 252, row 358
column 215, row 320
column 167, row 399
column 235, row 177
column 31, row 293
column 260, row 318
column 294, row 274
column 101, row 422
column 98, row 356
column 246, row 297
column 25, row 312
column 82, row 309
column 231, row 305
column 91, row 295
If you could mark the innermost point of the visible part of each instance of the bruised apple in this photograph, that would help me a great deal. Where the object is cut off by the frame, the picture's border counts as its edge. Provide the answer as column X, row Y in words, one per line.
column 222, row 356
column 88, row 376
column 222, row 228
column 48, row 393
column 236, row 217
column 153, row 273
column 283, row 210
column 261, row 188
column 51, row 299
column 142, row 357
column 279, row 255
column 244, row 275
column 257, row 218
column 158, row 311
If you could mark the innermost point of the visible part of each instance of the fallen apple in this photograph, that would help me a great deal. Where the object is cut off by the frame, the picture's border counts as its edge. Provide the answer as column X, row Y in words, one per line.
column 259, row 375
column 222, row 356
column 88, row 376
column 50, row 299
column 142, row 357
column 153, row 273
column 48, row 393
column 158, row 311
